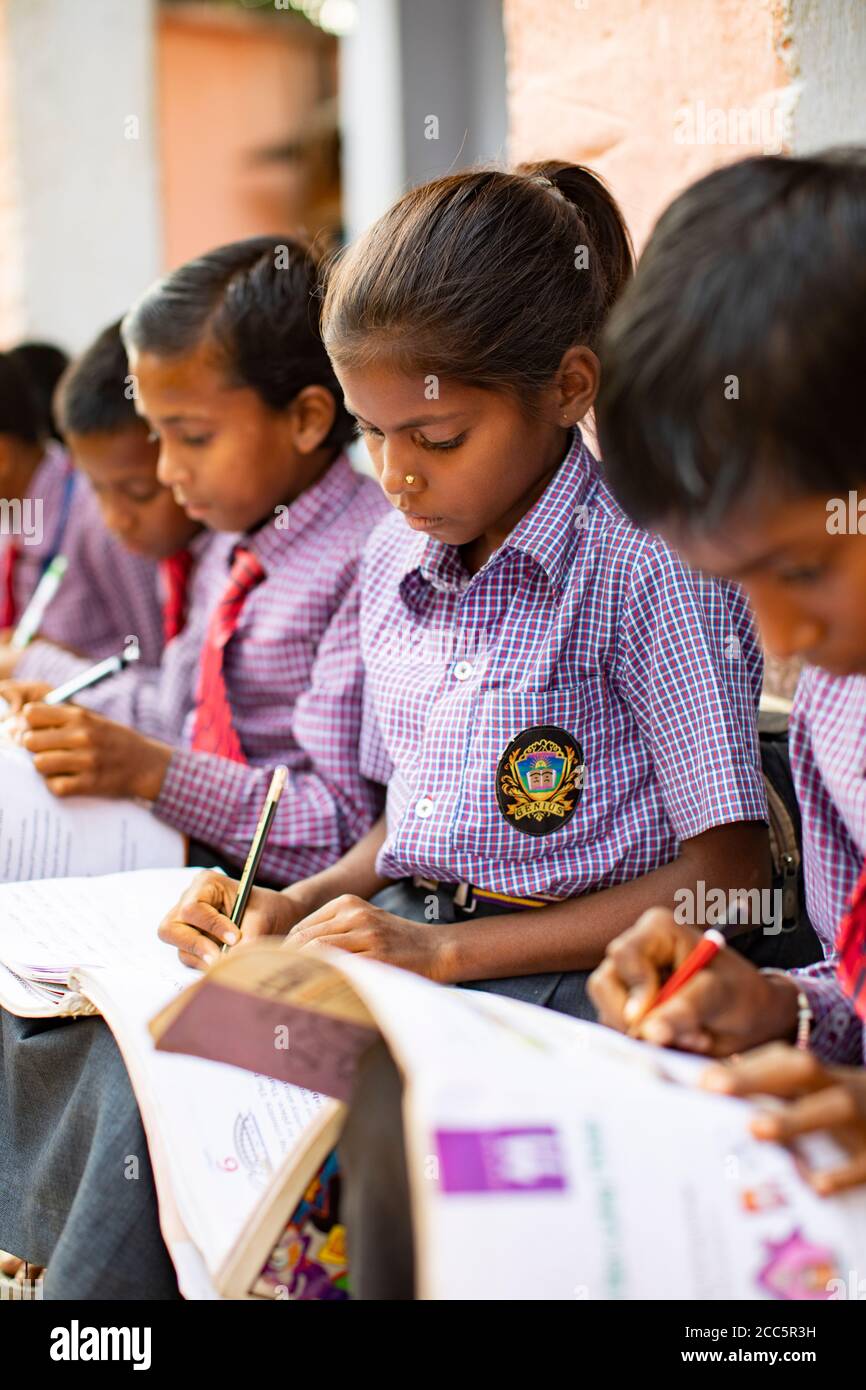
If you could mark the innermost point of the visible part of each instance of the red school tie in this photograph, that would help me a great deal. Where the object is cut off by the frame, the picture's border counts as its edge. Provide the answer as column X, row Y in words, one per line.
column 851, row 946
column 7, row 587
column 175, row 571
column 213, row 729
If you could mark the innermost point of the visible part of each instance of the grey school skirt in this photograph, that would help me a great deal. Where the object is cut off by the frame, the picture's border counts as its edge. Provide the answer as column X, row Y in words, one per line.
column 76, row 1187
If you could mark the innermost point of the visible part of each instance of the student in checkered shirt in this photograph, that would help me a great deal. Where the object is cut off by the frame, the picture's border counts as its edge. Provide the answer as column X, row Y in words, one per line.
column 249, row 432
column 115, row 450
column 767, row 489
column 563, row 713
column 48, row 509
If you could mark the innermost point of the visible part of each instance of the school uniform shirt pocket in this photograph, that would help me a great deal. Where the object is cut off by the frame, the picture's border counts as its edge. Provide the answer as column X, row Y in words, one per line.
column 524, row 775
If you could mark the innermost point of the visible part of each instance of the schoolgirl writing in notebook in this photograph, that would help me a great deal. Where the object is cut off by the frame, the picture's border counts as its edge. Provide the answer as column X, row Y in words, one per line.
column 563, row 713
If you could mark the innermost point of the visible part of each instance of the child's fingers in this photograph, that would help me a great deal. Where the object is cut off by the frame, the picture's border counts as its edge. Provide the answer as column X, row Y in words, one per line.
column 63, row 762
column 775, row 1070
column 346, row 941
column 190, row 942
column 75, row 785
column 204, row 907
column 823, row 1109
column 41, row 716
column 194, row 962
column 202, row 917
column 308, row 930
column 609, row 995
column 334, row 908
column 831, row 1180
column 214, row 888
column 14, row 727
column 686, row 1037
column 339, row 915
column 61, row 736
column 17, row 694
column 684, row 1017
column 655, row 943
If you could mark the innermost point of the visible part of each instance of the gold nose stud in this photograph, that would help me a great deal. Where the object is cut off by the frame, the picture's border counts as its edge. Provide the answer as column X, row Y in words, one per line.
column 409, row 478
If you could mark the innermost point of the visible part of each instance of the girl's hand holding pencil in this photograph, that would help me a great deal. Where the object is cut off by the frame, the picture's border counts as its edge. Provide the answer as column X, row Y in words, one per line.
column 201, row 923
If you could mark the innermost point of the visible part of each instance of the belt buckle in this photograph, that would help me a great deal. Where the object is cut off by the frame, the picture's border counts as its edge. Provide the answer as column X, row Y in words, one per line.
column 464, row 898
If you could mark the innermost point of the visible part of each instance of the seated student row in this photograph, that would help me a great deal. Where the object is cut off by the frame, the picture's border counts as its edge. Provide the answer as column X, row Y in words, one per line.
column 604, row 674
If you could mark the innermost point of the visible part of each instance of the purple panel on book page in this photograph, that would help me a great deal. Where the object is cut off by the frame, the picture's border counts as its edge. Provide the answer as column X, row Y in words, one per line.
column 500, row 1160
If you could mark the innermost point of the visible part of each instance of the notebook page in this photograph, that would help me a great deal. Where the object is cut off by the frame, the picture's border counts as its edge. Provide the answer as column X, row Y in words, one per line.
column 222, row 1132
column 52, row 926
column 587, row 1174
column 21, row 996
column 43, row 837
column 572, row 1038
column 613, row 1186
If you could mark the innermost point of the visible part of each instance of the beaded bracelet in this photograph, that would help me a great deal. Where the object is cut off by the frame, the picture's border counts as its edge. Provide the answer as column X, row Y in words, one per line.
column 805, row 1017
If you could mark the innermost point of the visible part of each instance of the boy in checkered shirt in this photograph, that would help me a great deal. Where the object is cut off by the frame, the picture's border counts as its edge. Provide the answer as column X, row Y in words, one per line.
column 766, row 488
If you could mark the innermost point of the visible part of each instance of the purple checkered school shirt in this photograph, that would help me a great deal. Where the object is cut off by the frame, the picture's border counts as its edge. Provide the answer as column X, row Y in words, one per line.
column 107, row 591
column 838, row 1034
column 827, row 740
column 581, row 621
column 293, row 677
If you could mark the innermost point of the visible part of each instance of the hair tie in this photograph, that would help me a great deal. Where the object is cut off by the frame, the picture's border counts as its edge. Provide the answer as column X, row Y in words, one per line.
column 545, row 182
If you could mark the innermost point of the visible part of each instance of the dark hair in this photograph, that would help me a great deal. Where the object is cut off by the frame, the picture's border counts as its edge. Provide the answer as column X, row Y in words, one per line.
column 20, row 412
column 475, row 277
column 44, row 364
column 257, row 300
column 93, row 396
column 736, row 358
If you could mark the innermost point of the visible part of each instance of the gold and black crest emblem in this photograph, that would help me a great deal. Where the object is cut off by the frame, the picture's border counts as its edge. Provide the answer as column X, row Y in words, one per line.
column 539, row 779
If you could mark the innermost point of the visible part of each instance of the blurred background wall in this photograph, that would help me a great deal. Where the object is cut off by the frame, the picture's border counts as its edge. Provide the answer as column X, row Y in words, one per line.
column 134, row 133
column 79, row 183
column 653, row 93
column 247, row 125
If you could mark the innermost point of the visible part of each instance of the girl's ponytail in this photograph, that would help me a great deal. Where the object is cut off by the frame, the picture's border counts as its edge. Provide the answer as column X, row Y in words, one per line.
column 598, row 210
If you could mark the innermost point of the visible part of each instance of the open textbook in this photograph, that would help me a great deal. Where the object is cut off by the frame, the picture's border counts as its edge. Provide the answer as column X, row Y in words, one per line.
column 42, row 836
column 230, row 1150
column 548, row 1158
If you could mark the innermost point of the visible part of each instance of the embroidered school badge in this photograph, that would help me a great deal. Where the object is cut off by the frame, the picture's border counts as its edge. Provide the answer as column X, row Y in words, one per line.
column 539, row 779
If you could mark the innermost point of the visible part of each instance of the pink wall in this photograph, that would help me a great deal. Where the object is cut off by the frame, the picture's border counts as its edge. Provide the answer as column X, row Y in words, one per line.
column 618, row 84
column 229, row 84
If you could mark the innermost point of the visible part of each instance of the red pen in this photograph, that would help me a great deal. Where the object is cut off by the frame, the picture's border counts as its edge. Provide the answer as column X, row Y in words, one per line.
column 701, row 954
